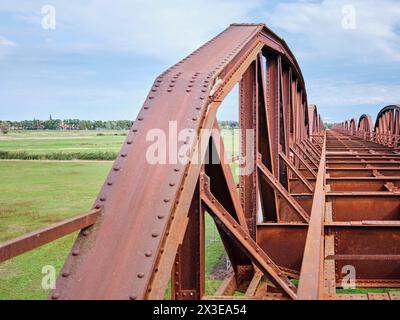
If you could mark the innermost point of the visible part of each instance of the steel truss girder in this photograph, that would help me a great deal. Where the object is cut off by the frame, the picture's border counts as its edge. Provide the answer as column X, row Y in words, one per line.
column 164, row 220
column 147, row 229
column 302, row 213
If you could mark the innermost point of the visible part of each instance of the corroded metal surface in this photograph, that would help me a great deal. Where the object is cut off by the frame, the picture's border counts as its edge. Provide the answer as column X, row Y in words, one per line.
column 316, row 202
column 146, row 205
column 41, row 237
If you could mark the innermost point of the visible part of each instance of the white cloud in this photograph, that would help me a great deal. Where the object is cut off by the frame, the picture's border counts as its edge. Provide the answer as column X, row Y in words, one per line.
column 158, row 28
column 337, row 94
column 6, row 42
column 6, row 47
column 169, row 30
column 319, row 26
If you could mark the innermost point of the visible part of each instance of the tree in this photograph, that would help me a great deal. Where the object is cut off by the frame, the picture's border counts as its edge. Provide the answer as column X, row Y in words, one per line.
column 4, row 127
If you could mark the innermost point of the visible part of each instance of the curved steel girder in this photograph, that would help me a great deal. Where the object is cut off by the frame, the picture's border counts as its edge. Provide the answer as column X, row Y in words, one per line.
column 365, row 124
column 387, row 119
column 314, row 119
column 353, row 126
column 129, row 252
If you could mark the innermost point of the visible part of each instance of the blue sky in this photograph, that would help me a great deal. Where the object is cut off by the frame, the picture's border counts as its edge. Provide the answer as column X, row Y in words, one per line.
column 103, row 56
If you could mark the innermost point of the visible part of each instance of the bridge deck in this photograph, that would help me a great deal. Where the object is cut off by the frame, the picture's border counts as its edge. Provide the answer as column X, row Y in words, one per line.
column 362, row 215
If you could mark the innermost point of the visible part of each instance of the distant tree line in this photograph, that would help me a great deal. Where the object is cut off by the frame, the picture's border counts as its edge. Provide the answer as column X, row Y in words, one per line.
column 76, row 124
column 229, row 124
column 66, row 124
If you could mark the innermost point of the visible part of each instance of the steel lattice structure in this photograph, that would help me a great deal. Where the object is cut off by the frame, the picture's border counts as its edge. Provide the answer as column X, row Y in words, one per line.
column 317, row 200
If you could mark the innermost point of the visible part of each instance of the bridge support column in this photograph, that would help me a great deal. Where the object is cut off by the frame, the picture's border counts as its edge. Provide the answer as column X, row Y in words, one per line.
column 188, row 279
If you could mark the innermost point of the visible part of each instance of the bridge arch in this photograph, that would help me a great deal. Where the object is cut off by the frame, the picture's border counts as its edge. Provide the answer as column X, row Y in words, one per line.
column 314, row 119
column 272, row 94
column 387, row 127
column 365, row 124
column 365, row 127
column 352, row 126
column 147, row 223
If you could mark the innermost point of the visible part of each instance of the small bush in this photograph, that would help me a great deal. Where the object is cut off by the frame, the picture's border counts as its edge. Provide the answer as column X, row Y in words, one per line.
column 4, row 127
column 111, row 134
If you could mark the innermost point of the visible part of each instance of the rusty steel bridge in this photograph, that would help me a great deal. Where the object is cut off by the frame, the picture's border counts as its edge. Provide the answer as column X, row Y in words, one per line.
column 318, row 199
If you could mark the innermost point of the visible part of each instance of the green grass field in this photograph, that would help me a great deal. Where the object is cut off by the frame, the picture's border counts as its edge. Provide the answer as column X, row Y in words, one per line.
column 39, row 142
column 35, row 194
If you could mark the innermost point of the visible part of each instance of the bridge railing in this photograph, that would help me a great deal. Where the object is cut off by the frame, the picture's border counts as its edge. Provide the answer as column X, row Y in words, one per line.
column 385, row 131
column 386, row 139
column 33, row 240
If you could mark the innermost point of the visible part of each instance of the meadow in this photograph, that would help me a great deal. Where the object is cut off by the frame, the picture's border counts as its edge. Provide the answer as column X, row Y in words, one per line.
column 61, row 145
column 35, row 194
